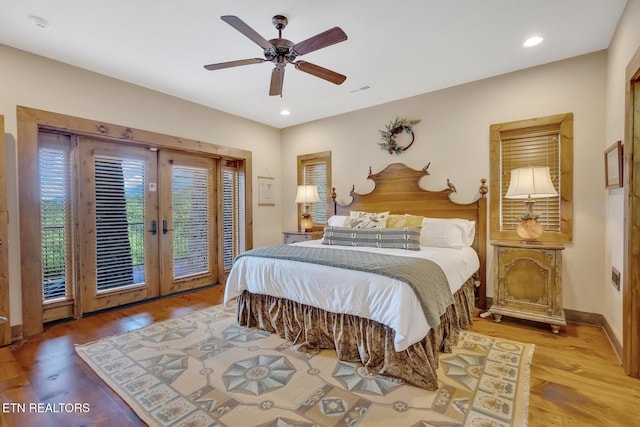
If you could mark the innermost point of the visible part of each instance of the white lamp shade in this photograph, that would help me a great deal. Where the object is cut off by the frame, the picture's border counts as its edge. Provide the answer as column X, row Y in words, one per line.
column 307, row 194
column 534, row 182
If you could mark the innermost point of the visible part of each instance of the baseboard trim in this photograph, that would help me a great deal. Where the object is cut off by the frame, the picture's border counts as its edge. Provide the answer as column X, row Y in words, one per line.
column 617, row 346
column 592, row 319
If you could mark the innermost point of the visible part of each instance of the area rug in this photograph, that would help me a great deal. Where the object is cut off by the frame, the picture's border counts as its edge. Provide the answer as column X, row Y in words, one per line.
column 203, row 369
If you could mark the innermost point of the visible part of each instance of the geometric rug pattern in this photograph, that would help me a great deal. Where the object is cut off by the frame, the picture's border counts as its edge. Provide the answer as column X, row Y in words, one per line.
column 203, row 369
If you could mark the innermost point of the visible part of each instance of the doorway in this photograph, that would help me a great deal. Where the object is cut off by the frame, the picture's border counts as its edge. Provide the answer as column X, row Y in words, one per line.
column 140, row 222
column 225, row 179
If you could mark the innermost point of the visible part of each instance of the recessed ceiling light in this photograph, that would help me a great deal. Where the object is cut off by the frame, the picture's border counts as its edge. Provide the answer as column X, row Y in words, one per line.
column 39, row 22
column 532, row 41
column 285, row 112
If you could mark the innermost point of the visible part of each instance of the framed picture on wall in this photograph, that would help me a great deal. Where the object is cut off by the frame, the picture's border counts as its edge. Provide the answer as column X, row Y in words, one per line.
column 613, row 165
column 266, row 191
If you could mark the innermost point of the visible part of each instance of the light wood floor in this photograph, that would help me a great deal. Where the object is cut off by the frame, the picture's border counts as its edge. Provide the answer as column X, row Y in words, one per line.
column 576, row 379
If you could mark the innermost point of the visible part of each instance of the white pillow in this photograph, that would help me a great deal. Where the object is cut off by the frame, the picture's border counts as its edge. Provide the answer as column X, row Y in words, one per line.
column 338, row 221
column 447, row 233
column 368, row 219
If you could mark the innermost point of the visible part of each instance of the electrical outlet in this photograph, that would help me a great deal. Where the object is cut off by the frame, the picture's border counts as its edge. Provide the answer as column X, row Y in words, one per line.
column 615, row 278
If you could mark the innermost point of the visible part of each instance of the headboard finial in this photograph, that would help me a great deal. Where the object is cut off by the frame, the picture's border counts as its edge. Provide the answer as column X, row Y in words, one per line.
column 483, row 187
column 451, row 186
column 370, row 171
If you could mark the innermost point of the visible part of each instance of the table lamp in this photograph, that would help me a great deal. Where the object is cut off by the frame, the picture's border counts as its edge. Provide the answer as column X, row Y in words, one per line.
column 307, row 194
column 533, row 182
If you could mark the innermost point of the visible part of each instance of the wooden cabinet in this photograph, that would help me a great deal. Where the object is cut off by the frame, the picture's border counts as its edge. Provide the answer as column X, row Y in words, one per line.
column 528, row 282
column 298, row 236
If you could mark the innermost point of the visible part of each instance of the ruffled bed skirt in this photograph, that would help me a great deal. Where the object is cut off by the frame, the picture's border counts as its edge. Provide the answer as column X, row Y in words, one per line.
column 356, row 339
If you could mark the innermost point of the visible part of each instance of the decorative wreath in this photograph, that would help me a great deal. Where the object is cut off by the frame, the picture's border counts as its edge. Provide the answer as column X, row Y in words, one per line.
column 393, row 129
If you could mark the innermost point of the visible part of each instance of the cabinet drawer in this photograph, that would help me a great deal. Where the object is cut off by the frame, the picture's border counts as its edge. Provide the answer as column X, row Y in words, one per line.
column 294, row 237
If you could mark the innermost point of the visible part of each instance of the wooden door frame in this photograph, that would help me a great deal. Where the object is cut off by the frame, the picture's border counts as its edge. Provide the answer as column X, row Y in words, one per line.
column 631, row 274
column 30, row 122
column 5, row 306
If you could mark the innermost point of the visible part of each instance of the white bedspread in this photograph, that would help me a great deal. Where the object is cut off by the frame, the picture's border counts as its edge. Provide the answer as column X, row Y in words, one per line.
column 383, row 299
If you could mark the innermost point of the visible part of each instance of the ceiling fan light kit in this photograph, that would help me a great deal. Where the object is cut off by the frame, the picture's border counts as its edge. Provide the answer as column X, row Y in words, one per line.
column 282, row 52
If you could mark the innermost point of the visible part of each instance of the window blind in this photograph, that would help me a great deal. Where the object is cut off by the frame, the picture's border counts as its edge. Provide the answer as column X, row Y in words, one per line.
column 54, row 214
column 191, row 202
column 530, row 147
column 120, row 212
column 233, row 221
column 314, row 172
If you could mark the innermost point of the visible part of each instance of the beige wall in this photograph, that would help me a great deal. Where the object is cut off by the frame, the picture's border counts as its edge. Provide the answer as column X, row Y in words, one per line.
column 454, row 137
column 625, row 43
column 38, row 82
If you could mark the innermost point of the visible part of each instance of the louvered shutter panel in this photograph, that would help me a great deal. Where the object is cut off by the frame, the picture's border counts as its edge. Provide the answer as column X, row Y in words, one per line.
column 191, row 201
column 120, row 208
column 54, row 214
column 531, row 147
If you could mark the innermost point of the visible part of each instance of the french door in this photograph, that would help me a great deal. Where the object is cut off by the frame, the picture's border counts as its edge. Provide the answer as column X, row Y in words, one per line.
column 146, row 223
column 118, row 216
column 188, row 255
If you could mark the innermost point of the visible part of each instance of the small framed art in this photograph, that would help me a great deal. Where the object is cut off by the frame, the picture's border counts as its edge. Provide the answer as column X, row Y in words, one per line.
column 613, row 165
column 266, row 191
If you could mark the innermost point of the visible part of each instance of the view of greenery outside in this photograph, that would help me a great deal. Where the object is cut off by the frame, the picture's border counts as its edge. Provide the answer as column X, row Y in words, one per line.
column 53, row 170
column 190, row 220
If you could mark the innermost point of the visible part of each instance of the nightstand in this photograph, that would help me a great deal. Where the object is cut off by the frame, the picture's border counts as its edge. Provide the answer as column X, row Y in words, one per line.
column 528, row 282
column 298, row 236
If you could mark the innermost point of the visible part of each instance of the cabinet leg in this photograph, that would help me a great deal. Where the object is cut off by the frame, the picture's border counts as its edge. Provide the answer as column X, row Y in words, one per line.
column 555, row 329
column 497, row 317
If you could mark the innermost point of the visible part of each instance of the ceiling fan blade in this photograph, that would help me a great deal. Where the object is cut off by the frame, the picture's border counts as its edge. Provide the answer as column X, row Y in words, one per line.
column 241, row 26
column 230, row 64
column 318, row 71
column 277, row 79
column 324, row 39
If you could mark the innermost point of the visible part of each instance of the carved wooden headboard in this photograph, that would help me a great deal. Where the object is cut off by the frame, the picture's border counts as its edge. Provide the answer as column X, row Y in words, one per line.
column 397, row 190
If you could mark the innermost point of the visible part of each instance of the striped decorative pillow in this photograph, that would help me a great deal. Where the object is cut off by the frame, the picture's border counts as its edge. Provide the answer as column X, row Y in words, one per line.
column 399, row 238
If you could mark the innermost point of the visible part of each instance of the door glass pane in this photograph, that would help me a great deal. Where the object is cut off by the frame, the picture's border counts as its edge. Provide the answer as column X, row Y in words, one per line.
column 233, row 228
column 190, row 220
column 120, row 208
column 54, row 190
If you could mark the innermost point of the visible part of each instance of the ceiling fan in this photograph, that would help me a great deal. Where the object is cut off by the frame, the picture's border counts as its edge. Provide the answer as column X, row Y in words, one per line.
column 282, row 52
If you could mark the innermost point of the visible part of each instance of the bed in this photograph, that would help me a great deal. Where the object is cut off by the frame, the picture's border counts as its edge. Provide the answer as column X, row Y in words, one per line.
column 376, row 316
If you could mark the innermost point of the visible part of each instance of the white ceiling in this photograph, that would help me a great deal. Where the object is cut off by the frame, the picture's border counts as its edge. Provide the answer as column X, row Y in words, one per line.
column 400, row 48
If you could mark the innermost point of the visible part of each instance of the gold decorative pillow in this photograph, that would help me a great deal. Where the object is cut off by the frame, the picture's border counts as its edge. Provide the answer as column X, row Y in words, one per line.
column 368, row 219
column 403, row 221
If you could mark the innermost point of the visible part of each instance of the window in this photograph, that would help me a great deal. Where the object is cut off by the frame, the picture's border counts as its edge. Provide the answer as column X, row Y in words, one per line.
column 120, row 211
column 315, row 169
column 233, row 217
column 546, row 141
column 55, row 217
column 191, row 215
